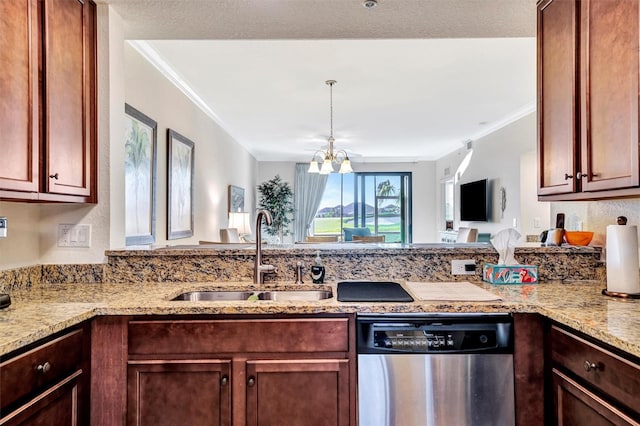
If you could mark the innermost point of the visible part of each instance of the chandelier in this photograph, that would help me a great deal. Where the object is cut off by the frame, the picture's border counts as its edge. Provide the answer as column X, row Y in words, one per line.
column 330, row 156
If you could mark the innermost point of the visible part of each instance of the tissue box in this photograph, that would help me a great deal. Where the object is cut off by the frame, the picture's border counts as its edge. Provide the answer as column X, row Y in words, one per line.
column 513, row 274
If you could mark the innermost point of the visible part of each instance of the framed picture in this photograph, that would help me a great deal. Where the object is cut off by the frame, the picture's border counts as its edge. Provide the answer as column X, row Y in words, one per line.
column 140, row 177
column 179, row 186
column 236, row 199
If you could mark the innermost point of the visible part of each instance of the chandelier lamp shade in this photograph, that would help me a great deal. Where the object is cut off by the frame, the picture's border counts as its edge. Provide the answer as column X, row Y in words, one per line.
column 330, row 156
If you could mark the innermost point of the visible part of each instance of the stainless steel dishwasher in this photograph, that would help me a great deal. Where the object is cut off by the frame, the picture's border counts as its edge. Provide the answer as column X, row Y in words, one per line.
column 435, row 369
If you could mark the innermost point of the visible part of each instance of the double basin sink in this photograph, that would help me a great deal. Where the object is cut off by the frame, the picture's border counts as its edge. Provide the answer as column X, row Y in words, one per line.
column 276, row 295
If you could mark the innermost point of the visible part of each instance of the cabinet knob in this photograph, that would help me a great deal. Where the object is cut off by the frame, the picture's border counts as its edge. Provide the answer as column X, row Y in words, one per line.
column 224, row 381
column 584, row 175
column 251, row 382
column 588, row 366
column 43, row 368
column 567, row 176
column 54, row 176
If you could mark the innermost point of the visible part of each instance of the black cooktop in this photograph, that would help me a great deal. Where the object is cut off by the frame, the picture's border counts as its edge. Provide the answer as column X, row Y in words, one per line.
column 372, row 291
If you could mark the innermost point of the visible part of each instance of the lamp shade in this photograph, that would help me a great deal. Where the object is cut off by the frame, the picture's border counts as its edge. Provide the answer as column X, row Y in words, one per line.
column 313, row 167
column 327, row 167
column 345, row 167
column 241, row 221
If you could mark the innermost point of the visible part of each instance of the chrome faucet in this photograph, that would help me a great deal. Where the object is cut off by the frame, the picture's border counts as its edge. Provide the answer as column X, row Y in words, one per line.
column 258, row 268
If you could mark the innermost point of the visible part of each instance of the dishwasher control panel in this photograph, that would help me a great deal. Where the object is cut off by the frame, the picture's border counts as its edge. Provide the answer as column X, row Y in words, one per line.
column 434, row 340
column 434, row 335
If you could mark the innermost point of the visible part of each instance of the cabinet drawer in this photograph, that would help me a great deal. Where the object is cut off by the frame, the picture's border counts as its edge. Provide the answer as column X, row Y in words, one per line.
column 242, row 335
column 39, row 368
column 608, row 372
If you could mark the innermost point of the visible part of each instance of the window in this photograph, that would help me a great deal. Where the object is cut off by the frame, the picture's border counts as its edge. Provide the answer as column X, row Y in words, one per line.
column 448, row 203
column 378, row 201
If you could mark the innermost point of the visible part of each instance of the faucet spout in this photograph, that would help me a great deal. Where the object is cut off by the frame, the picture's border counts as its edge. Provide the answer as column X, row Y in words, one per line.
column 258, row 268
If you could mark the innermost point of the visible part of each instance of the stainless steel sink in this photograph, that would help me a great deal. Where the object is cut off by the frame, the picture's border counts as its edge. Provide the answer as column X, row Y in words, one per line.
column 196, row 296
column 277, row 295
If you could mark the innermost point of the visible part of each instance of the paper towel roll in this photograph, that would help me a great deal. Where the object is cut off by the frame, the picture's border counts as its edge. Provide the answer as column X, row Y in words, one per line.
column 622, row 259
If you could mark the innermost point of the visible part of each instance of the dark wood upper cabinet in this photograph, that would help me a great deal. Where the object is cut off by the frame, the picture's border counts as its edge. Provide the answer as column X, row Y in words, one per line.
column 19, row 124
column 609, row 89
column 588, row 70
column 557, row 67
column 50, row 113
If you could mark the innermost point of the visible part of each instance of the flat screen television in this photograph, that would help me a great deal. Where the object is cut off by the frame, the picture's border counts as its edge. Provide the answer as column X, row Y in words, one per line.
column 474, row 201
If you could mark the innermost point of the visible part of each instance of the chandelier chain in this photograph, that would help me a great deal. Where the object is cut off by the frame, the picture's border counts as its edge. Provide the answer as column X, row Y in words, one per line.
column 331, row 106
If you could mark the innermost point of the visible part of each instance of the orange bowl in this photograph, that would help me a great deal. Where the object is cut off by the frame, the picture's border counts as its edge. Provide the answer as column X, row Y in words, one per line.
column 578, row 238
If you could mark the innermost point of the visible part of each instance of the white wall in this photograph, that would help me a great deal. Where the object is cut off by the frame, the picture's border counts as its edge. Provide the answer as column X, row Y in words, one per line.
column 124, row 76
column 219, row 160
column 497, row 157
column 33, row 227
column 535, row 216
column 424, row 187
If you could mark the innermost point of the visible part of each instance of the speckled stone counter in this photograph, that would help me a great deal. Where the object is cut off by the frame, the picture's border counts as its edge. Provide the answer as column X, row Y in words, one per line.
column 343, row 261
column 39, row 311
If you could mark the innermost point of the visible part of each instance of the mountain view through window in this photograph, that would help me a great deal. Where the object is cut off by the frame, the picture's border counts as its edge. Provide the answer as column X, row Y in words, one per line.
column 378, row 201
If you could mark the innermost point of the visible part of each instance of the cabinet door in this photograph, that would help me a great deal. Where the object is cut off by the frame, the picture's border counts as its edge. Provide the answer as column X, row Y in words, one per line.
column 289, row 392
column 19, row 138
column 576, row 405
column 609, row 89
column 557, row 67
column 69, row 56
column 179, row 393
column 58, row 406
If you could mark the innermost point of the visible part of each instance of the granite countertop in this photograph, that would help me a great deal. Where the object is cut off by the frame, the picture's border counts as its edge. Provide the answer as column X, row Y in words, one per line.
column 220, row 249
column 42, row 310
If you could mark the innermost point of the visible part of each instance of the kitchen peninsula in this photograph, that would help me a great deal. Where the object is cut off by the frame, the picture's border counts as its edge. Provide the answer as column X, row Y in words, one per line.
column 121, row 311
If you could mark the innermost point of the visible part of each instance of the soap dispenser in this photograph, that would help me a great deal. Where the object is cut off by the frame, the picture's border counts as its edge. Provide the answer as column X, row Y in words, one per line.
column 317, row 270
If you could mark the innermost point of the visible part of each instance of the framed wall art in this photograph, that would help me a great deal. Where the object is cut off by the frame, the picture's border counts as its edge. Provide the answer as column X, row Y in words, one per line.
column 140, row 177
column 180, row 161
column 236, row 199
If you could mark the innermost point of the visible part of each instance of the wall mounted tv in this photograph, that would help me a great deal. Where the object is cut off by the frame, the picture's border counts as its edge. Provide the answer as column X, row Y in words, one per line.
column 474, row 201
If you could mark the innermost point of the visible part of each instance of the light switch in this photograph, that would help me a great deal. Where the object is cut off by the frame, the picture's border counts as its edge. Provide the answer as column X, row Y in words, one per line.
column 70, row 235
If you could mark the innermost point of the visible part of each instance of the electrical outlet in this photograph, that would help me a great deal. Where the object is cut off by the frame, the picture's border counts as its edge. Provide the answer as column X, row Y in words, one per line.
column 74, row 235
column 536, row 222
column 463, row 267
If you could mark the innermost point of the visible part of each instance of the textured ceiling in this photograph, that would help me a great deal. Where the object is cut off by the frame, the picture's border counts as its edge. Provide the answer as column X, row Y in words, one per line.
column 416, row 78
column 309, row 19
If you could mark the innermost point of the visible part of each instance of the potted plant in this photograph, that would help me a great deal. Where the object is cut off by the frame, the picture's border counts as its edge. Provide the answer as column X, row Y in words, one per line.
column 276, row 196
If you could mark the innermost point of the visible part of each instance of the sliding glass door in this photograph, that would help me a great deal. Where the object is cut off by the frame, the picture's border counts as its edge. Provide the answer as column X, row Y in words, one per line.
column 380, row 201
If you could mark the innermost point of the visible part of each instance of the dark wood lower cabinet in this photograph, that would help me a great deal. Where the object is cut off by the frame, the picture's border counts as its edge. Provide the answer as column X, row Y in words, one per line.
column 244, row 370
column 59, row 406
column 591, row 383
column 578, row 406
column 179, row 392
column 294, row 391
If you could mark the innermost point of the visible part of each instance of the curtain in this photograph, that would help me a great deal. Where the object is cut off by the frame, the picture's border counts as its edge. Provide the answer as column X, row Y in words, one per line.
column 308, row 191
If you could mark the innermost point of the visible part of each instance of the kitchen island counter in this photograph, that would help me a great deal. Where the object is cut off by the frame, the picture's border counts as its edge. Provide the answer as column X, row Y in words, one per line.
column 42, row 310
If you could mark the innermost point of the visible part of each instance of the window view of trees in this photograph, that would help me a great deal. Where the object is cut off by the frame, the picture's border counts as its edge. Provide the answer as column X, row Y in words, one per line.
column 378, row 201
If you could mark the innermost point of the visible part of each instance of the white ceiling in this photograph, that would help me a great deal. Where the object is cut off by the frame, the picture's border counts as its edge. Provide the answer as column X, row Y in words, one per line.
column 416, row 78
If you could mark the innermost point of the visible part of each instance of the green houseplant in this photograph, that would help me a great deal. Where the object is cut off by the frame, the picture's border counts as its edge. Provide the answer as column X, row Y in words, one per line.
column 276, row 196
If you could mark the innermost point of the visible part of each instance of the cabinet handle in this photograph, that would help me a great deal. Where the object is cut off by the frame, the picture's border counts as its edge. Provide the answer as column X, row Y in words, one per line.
column 251, row 382
column 567, row 176
column 224, row 381
column 54, row 176
column 584, row 175
column 43, row 368
column 588, row 366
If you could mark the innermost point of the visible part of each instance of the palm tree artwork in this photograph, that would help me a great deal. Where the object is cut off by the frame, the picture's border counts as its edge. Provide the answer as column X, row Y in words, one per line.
column 138, row 154
column 181, row 185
